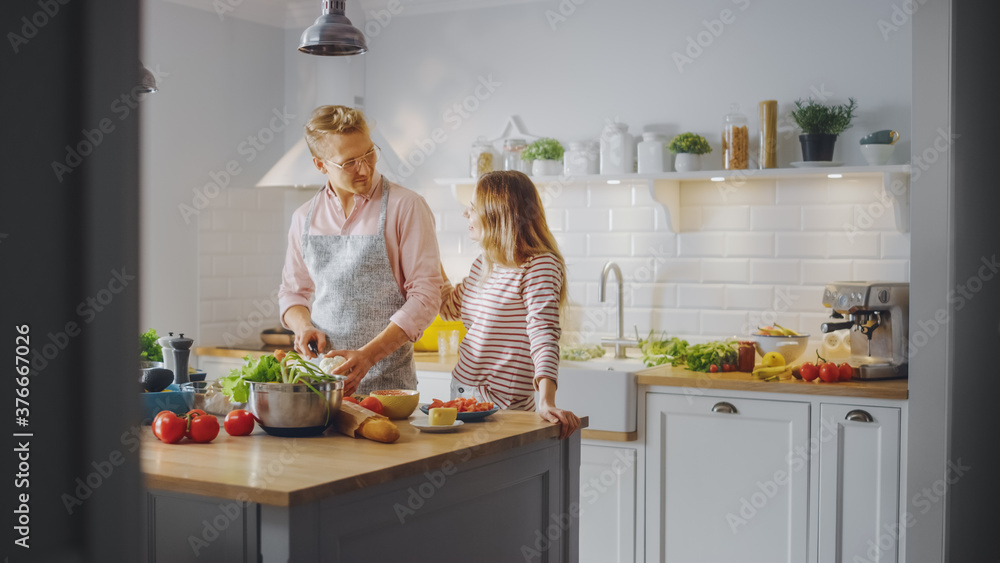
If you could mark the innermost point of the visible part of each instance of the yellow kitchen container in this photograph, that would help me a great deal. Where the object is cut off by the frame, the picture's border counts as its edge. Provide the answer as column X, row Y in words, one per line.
column 429, row 341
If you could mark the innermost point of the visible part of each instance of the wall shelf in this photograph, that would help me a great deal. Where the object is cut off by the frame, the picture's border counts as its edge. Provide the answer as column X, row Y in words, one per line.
column 665, row 187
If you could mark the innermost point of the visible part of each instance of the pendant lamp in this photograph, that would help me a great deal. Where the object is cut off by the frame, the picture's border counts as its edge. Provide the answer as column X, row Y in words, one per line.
column 333, row 34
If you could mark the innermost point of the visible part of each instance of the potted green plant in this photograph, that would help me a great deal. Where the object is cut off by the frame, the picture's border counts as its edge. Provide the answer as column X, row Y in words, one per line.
column 545, row 155
column 820, row 126
column 688, row 147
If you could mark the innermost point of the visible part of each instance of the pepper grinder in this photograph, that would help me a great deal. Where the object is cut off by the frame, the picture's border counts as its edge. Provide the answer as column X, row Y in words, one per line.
column 176, row 352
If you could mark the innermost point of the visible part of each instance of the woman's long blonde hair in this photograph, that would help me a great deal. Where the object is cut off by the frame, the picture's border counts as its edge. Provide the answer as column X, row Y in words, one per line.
column 513, row 222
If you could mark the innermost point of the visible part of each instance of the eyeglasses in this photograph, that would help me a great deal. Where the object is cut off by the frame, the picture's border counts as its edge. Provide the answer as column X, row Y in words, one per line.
column 353, row 166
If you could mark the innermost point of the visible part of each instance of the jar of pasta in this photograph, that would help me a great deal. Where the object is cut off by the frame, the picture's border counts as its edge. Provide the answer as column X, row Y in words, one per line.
column 735, row 140
column 483, row 158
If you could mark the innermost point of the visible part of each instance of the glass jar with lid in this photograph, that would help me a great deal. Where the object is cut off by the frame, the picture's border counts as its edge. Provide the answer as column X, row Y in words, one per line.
column 483, row 158
column 512, row 149
column 735, row 140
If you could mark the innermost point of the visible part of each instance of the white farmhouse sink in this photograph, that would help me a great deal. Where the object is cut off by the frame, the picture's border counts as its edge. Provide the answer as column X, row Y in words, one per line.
column 603, row 389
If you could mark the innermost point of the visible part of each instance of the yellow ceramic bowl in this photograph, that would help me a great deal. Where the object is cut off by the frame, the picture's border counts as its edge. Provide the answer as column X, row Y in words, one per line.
column 397, row 403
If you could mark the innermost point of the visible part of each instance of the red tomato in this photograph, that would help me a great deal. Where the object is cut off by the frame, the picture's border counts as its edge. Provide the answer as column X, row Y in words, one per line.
column 239, row 422
column 713, row 368
column 727, row 367
column 169, row 427
column 372, row 404
column 829, row 373
column 845, row 371
column 352, row 400
column 808, row 371
column 203, row 428
column 191, row 413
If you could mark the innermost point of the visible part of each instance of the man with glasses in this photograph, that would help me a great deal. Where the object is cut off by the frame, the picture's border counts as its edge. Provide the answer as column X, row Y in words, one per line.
column 364, row 252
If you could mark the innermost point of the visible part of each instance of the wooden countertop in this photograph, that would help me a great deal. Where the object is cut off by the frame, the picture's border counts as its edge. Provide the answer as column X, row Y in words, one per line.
column 737, row 381
column 288, row 471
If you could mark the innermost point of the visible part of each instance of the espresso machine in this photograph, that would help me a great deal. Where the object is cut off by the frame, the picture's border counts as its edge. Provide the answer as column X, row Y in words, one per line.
column 877, row 314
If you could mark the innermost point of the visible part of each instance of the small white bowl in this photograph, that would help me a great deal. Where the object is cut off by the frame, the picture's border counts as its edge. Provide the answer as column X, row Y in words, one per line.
column 877, row 155
column 790, row 347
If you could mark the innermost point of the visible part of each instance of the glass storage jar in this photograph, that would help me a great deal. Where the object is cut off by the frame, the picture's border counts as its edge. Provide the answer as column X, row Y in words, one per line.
column 735, row 140
column 512, row 149
column 483, row 158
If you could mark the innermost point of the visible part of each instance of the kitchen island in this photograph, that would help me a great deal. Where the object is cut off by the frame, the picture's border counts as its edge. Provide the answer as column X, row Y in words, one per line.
column 335, row 498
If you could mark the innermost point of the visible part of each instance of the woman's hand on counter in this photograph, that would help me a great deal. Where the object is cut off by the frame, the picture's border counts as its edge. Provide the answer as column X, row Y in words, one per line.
column 569, row 421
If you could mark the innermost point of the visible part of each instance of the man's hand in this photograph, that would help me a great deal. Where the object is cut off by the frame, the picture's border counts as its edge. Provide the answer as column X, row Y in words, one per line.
column 308, row 339
column 354, row 369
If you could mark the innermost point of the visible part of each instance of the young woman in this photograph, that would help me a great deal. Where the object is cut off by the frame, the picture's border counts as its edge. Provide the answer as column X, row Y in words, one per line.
column 510, row 302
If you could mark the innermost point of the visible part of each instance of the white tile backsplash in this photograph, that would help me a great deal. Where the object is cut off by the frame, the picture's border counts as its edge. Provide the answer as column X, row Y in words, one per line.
column 747, row 252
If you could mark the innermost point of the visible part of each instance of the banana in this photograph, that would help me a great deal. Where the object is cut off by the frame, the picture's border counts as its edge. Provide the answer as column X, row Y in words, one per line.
column 785, row 331
column 769, row 372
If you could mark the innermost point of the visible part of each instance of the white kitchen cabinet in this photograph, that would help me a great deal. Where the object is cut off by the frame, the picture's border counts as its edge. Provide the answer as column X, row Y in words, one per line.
column 727, row 479
column 859, row 450
column 607, row 504
column 434, row 385
column 218, row 366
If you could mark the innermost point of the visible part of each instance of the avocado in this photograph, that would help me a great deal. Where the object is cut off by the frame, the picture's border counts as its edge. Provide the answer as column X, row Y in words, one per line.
column 155, row 380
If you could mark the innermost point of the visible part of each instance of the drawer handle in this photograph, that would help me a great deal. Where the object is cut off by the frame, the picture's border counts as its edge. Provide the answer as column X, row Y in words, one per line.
column 724, row 407
column 858, row 415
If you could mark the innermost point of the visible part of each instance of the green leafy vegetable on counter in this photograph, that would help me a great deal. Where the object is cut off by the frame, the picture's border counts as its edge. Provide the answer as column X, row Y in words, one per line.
column 149, row 350
column 701, row 357
column 581, row 353
column 289, row 367
column 661, row 350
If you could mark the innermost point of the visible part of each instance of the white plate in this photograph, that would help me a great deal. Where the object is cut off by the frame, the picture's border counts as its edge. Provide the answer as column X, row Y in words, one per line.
column 816, row 164
column 425, row 426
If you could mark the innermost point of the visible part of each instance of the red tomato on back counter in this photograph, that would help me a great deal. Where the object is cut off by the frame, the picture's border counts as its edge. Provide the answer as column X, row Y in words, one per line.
column 845, row 372
column 829, row 372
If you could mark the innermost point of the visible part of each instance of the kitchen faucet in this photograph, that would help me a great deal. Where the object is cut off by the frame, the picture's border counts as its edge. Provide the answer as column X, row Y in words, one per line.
column 619, row 341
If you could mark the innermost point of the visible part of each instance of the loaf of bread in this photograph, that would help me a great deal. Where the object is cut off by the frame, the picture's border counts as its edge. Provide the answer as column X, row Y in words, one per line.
column 356, row 421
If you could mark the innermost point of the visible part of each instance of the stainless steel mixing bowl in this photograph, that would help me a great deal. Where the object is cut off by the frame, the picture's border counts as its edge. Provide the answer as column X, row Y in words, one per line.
column 285, row 409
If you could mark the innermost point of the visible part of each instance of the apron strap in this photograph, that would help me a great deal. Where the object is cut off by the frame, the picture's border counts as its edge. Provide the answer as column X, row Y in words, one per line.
column 312, row 207
column 385, row 202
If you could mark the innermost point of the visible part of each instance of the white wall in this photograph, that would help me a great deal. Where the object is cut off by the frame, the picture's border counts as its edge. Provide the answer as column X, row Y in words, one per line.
column 223, row 82
column 735, row 260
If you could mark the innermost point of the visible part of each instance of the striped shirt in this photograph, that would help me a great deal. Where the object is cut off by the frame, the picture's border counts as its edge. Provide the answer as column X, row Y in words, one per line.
column 513, row 329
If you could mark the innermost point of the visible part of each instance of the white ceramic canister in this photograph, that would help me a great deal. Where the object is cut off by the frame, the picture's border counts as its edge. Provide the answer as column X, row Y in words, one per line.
column 653, row 156
column 576, row 161
column 617, row 154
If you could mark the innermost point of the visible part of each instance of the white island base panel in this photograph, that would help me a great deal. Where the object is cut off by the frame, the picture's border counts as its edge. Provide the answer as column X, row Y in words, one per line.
column 519, row 505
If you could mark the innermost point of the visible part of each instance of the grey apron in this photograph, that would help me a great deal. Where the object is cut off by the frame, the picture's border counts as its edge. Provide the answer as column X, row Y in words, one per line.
column 356, row 294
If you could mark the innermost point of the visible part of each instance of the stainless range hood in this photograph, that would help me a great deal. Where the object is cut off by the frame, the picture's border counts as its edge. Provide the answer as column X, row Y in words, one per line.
column 294, row 170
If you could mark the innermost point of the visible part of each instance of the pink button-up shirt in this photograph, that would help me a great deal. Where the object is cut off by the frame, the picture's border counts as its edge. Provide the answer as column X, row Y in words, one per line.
column 410, row 242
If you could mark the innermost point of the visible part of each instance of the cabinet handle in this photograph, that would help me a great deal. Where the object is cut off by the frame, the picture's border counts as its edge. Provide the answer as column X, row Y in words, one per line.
column 858, row 415
column 724, row 407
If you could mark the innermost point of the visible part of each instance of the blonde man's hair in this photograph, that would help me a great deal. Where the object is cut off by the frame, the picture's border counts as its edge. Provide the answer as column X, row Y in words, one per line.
column 513, row 222
column 332, row 120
